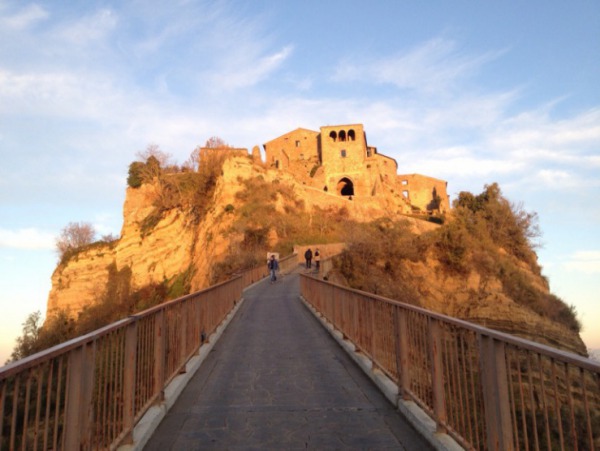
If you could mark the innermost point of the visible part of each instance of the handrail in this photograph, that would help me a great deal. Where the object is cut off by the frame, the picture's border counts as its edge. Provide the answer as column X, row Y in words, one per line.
column 487, row 389
column 89, row 392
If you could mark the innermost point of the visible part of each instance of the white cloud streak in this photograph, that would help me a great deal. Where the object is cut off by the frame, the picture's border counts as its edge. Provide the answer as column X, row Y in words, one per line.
column 587, row 262
column 24, row 18
column 27, row 238
column 431, row 67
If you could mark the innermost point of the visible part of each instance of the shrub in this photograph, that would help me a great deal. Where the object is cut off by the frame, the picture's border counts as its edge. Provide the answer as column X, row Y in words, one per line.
column 134, row 179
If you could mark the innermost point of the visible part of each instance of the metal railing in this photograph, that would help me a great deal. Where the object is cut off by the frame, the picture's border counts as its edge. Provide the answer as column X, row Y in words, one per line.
column 487, row 389
column 88, row 393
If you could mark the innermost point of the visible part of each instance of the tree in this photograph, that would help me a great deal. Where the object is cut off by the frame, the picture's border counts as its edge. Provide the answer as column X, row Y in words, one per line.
column 216, row 142
column 73, row 236
column 153, row 151
column 26, row 343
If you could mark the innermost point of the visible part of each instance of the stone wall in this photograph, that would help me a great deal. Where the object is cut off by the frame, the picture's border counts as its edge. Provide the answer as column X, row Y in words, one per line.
column 420, row 190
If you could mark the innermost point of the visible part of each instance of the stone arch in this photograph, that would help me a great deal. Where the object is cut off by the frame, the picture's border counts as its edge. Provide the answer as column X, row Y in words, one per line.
column 333, row 135
column 342, row 135
column 351, row 135
column 345, row 187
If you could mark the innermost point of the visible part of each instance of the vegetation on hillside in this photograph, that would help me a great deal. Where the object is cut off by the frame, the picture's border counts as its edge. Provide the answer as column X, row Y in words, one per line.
column 272, row 216
column 189, row 187
column 486, row 234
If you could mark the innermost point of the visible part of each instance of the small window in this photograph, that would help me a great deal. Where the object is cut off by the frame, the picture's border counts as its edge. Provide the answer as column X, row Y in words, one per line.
column 351, row 135
column 343, row 153
column 405, row 193
column 297, row 143
column 405, row 182
column 333, row 136
column 342, row 135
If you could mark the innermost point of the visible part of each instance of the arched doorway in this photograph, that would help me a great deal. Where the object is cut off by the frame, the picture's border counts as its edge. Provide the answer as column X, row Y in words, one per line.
column 345, row 187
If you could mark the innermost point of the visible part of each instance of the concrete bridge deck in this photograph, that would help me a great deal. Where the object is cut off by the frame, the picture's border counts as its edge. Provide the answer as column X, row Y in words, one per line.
column 277, row 380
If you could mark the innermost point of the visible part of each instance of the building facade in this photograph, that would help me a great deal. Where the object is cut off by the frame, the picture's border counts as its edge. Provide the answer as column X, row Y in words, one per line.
column 339, row 160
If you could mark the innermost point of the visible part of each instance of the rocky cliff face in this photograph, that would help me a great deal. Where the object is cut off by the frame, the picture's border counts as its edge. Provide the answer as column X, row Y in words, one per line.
column 174, row 246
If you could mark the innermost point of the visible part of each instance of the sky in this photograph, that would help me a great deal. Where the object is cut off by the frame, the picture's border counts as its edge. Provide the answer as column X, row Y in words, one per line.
column 469, row 92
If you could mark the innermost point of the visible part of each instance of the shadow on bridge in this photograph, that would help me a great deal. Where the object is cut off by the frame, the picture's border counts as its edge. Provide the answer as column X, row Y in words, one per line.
column 277, row 380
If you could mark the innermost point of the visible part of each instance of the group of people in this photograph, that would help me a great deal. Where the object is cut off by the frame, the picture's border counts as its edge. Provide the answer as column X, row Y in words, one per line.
column 273, row 264
column 308, row 256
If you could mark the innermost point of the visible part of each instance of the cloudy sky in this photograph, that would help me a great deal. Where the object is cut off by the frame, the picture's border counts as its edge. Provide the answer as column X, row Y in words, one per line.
column 470, row 92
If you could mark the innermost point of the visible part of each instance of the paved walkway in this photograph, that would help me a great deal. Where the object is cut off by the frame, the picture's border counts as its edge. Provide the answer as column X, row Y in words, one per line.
column 277, row 380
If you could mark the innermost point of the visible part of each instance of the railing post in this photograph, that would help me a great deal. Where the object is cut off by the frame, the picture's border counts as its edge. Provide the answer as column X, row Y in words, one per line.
column 78, row 410
column 159, row 355
column 402, row 360
column 495, row 394
column 437, row 374
column 182, row 328
column 129, row 370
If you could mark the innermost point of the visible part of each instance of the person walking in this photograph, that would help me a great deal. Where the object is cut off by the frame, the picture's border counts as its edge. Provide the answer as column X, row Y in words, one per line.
column 308, row 257
column 273, row 266
column 317, row 259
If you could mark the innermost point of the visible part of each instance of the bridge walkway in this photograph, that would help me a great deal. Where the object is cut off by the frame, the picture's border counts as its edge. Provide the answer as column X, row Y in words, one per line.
column 277, row 380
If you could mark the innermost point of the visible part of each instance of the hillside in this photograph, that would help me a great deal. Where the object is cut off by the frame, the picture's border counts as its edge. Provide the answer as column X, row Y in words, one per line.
column 171, row 244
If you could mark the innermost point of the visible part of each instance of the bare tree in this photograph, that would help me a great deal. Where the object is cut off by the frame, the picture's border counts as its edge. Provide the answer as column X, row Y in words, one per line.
column 154, row 151
column 193, row 162
column 216, row 142
column 74, row 235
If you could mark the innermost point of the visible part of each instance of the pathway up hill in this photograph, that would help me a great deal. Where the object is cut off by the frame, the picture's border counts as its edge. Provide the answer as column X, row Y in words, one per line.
column 277, row 380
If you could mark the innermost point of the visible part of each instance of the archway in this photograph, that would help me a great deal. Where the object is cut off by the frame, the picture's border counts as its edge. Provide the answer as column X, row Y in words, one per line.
column 345, row 187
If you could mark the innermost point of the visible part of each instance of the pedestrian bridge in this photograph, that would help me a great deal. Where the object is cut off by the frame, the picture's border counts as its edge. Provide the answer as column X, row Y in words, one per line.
column 298, row 364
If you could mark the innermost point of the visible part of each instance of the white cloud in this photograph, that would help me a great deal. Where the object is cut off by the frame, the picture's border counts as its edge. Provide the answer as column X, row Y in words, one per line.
column 431, row 67
column 25, row 18
column 87, row 29
column 587, row 262
column 28, row 238
column 249, row 72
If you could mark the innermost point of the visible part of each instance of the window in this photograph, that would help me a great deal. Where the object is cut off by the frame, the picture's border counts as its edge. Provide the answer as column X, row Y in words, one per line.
column 405, row 193
column 297, row 143
column 333, row 136
column 342, row 135
column 405, row 182
column 302, row 156
column 343, row 153
column 351, row 135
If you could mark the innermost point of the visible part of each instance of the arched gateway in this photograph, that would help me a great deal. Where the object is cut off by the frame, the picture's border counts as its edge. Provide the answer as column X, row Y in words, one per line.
column 345, row 187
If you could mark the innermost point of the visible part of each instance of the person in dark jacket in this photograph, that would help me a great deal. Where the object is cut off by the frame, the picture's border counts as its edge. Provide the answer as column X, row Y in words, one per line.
column 273, row 266
column 308, row 258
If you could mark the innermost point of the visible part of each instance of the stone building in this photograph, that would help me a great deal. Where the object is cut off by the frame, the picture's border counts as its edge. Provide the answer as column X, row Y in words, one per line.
column 339, row 160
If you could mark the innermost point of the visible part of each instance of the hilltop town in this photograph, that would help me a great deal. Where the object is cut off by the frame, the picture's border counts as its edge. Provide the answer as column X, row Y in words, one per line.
column 187, row 228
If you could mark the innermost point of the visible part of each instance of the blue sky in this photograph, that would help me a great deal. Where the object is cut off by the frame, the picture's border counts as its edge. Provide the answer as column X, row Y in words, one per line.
column 470, row 92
